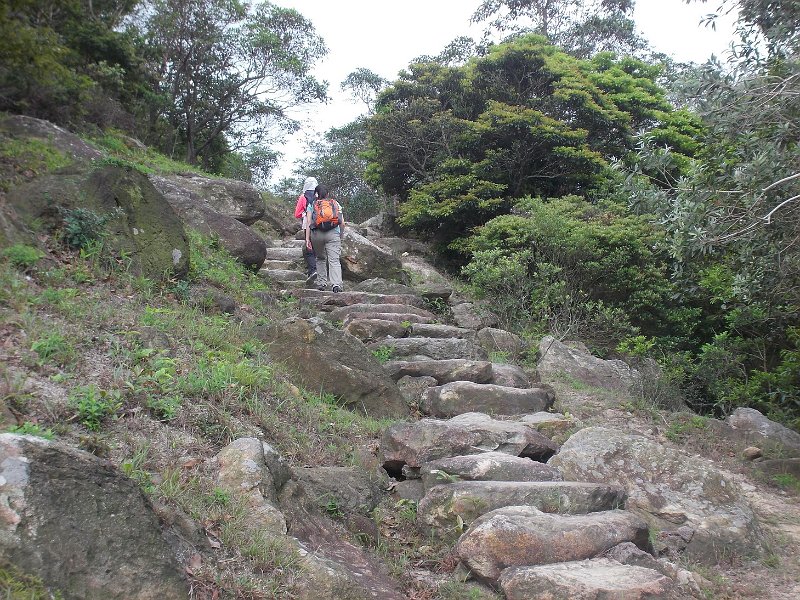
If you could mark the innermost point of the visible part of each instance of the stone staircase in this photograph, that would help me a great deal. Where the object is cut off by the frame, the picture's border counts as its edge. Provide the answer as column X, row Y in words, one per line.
column 476, row 463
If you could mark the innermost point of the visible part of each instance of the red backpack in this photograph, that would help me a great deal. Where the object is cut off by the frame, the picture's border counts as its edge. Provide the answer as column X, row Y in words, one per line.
column 325, row 214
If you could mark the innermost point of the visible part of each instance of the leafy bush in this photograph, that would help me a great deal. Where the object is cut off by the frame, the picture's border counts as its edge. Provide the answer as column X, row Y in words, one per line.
column 22, row 256
column 83, row 227
column 573, row 269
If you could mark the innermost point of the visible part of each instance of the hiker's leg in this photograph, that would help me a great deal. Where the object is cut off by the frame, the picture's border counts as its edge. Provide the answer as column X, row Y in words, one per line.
column 311, row 260
column 333, row 248
column 318, row 243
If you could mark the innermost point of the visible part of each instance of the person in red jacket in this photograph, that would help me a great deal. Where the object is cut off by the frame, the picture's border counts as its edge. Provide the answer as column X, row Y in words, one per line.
column 307, row 197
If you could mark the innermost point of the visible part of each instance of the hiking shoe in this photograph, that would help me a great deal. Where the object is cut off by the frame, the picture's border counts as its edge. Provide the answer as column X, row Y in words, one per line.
column 311, row 277
column 336, row 289
column 321, row 288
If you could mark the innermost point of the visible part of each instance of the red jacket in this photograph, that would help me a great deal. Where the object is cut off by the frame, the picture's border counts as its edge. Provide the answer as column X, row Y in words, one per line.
column 300, row 208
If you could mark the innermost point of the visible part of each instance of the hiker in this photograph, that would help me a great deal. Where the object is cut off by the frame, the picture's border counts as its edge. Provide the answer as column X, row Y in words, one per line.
column 307, row 197
column 324, row 236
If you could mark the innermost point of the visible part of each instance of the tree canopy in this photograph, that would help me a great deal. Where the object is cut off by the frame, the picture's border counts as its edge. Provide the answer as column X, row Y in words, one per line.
column 458, row 144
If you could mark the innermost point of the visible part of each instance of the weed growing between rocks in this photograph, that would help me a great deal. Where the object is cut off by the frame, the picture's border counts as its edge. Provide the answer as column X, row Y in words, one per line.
column 16, row 585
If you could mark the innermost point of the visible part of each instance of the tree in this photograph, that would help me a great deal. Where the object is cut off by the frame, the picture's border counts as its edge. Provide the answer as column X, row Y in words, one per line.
column 229, row 71
column 582, row 27
column 732, row 215
column 458, row 144
column 340, row 161
column 64, row 59
column 365, row 86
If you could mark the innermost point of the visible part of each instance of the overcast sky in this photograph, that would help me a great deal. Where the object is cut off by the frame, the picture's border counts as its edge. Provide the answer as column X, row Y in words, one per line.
column 385, row 35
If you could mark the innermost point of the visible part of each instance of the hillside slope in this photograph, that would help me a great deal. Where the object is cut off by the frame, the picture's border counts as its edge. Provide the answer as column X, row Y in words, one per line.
column 251, row 413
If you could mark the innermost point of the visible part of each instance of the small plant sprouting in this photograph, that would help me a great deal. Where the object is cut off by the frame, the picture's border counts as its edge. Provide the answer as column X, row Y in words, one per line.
column 332, row 508
column 383, row 354
column 219, row 497
column 94, row 405
column 406, row 510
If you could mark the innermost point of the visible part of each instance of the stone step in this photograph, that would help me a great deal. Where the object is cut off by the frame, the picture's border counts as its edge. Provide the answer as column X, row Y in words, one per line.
column 510, row 376
column 279, row 264
column 441, row 331
column 593, row 579
column 436, row 348
column 443, row 371
column 461, row 397
column 283, row 275
column 446, row 508
column 351, row 298
column 382, row 316
column 293, row 254
column 410, row 445
column 339, row 314
column 370, row 330
column 523, row 536
column 293, row 243
column 489, row 466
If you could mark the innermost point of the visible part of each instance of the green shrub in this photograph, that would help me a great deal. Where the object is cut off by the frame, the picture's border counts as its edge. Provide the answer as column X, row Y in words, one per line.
column 83, row 227
column 94, row 405
column 22, row 256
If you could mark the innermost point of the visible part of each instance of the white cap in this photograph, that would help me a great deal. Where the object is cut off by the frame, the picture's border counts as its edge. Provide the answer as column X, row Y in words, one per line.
column 309, row 184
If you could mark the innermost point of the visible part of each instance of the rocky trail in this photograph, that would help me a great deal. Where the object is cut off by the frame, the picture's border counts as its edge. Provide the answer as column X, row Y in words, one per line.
column 478, row 463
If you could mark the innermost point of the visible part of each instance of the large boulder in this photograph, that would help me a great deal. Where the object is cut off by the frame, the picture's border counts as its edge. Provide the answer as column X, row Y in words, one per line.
column 754, row 428
column 245, row 473
column 22, row 127
column 425, row 278
column 519, row 536
column 148, row 231
column 327, row 359
column 361, row 259
column 229, row 197
column 501, row 341
column 558, row 359
column 279, row 216
column 79, row 525
column 697, row 507
column 347, row 489
column 237, row 238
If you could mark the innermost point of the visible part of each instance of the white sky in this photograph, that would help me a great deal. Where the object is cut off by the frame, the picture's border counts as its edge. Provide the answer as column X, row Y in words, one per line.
column 384, row 36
